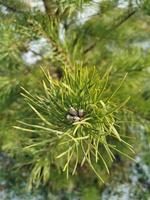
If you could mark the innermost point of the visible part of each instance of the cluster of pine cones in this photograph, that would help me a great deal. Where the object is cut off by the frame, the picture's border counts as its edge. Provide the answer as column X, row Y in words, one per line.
column 75, row 115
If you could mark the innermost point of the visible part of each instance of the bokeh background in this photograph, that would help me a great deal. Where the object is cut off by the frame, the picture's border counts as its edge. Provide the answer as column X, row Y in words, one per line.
column 57, row 33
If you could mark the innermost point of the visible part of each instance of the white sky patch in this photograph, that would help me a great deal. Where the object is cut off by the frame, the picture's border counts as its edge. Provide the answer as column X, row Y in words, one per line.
column 37, row 45
column 125, row 3
column 87, row 12
column 30, row 58
column 61, row 33
column 145, row 45
column 37, row 49
column 37, row 4
column 122, row 4
column 4, row 10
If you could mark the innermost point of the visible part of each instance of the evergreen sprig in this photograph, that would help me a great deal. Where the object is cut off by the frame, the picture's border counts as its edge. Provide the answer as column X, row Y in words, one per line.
column 9, row 91
column 74, row 124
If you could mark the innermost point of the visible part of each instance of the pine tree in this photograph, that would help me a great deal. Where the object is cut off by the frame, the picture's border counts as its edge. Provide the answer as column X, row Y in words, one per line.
column 89, row 70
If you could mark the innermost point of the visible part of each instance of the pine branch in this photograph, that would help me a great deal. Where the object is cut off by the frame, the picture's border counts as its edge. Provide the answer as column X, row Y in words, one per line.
column 124, row 19
column 48, row 7
column 49, row 30
column 114, row 26
column 9, row 91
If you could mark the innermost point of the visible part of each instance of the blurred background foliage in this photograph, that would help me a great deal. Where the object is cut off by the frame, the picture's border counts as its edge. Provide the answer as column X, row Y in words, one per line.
column 58, row 33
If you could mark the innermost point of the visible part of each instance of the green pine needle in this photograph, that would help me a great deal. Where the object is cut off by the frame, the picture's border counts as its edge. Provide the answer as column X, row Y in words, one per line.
column 74, row 124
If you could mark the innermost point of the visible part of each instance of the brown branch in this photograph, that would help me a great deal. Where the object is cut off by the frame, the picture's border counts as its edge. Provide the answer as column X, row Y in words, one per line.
column 48, row 7
column 124, row 19
column 89, row 48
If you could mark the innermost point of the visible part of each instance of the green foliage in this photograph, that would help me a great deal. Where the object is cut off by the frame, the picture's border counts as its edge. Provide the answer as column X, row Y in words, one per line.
column 9, row 51
column 9, row 91
column 76, row 119
column 90, row 193
column 146, row 6
column 62, row 8
column 51, row 137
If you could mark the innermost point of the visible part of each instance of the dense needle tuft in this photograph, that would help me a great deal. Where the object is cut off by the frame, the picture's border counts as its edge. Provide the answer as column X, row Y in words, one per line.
column 75, row 124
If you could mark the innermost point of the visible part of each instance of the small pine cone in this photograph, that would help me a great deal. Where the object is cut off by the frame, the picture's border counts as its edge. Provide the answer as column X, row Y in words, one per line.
column 72, row 111
column 81, row 112
column 70, row 118
column 76, row 119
